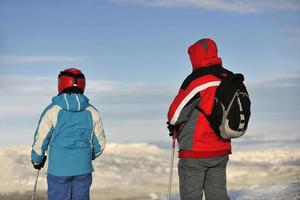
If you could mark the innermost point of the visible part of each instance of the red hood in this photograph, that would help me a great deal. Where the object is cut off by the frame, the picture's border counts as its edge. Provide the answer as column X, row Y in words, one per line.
column 204, row 53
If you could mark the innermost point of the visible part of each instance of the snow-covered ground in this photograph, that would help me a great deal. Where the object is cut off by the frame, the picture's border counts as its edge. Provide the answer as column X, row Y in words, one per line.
column 140, row 171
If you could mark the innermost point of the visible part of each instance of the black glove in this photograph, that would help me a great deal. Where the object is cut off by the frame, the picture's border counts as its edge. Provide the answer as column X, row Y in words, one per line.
column 172, row 128
column 41, row 165
column 93, row 156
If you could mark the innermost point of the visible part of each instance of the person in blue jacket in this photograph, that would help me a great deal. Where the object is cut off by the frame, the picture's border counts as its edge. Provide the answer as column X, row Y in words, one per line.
column 70, row 129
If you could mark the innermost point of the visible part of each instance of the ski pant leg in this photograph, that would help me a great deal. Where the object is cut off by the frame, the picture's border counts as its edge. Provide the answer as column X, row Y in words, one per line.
column 59, row 187
column 81, row 187
column 215, row 179
column 191, row 178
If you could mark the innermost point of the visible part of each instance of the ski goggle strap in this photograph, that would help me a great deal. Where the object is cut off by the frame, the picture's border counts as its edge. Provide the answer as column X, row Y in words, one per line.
column 70, row 74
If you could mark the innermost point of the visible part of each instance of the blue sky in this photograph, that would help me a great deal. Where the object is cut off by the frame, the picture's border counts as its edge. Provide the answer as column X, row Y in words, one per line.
column 134, row 55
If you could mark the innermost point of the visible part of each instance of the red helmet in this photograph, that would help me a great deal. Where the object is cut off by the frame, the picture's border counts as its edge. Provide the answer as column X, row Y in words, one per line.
column 71, row 78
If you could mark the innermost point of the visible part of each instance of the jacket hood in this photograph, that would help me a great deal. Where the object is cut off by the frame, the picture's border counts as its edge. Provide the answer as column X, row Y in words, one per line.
column 72, row 102
column 204, row 53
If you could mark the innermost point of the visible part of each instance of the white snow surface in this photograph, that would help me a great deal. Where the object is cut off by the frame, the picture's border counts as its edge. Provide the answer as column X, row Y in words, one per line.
column 136, row 170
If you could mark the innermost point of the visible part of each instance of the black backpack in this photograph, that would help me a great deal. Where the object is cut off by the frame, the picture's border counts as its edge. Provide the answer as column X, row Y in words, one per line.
column 231, row 110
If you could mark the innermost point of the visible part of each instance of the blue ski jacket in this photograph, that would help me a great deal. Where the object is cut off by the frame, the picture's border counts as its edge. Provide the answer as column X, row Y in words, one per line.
column 71, row 130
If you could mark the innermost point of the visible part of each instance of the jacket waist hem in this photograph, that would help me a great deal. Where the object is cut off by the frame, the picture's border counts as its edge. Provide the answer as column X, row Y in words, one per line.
column 202, row 154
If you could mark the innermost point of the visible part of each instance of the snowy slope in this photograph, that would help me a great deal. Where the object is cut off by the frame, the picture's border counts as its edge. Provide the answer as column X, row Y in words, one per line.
column 140, row 171
column 123, row 166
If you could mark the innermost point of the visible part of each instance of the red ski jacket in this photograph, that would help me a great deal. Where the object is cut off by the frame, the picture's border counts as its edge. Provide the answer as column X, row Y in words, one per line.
column 196, row 138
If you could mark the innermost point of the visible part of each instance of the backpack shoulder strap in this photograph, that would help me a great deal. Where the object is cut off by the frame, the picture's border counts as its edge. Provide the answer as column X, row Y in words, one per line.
column 220, row 72
column 202, row 111
column 194, row 75
column 215, row 70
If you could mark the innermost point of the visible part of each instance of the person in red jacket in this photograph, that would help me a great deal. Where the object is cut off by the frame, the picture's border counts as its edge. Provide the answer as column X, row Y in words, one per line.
column 203, row 155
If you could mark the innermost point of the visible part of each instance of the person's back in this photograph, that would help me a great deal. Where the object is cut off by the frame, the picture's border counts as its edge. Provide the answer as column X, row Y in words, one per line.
column 203, row 155
column 71, row 130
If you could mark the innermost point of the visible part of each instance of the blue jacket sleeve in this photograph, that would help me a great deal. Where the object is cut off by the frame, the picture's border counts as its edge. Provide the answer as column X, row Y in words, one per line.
column 43, row 133
column 98, row 139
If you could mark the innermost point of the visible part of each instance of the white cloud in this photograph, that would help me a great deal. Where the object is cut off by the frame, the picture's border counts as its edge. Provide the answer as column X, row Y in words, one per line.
column 15, row 85
column 27, row 94
column 291, row 30
column 129, row 109
column 241, row 6
column 126, row 108
column 33, row 59
column 283, row 82
column 292, row 34
column 287, row 79
column 120, row 88
column 24, row 94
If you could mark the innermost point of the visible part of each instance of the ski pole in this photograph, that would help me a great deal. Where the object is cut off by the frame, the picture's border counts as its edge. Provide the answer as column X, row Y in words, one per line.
column 171, row 164
column 35, row 184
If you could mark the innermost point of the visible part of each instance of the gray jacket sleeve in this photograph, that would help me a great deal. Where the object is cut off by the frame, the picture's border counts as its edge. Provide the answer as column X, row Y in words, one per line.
column 187, row 110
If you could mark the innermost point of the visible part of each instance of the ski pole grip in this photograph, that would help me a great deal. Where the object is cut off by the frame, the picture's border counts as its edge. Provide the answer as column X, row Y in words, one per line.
column 174, row 139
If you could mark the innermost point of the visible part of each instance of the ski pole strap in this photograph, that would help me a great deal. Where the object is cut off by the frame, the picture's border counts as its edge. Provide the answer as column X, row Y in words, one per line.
column 174, row 139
